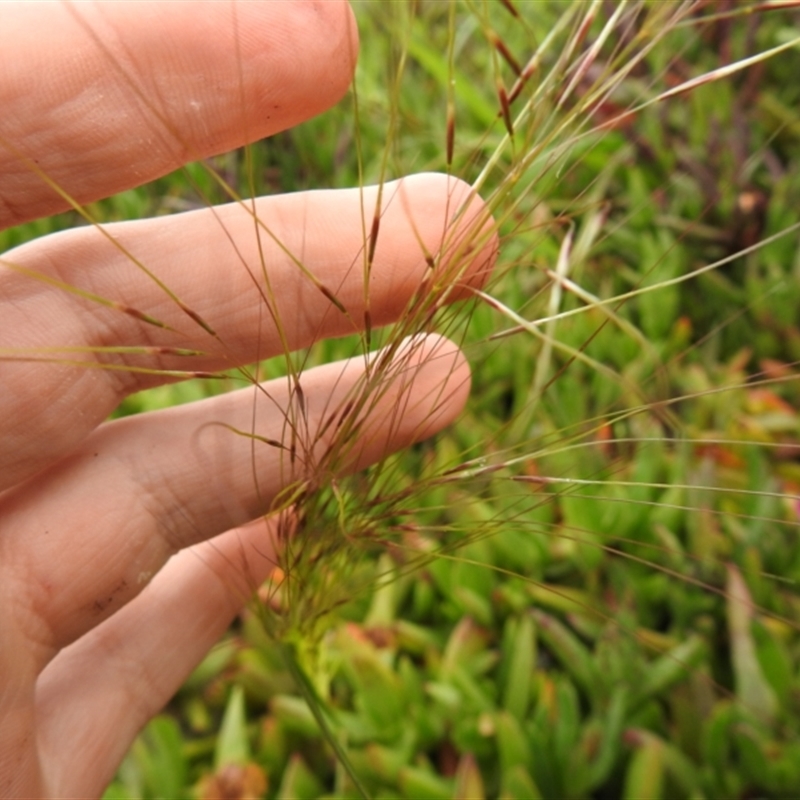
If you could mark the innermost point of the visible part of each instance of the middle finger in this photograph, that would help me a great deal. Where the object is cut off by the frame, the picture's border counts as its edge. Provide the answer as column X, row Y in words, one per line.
column 218, row 265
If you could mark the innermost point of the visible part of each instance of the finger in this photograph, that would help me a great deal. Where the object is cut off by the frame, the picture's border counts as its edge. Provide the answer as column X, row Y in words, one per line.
column 116, row 94
column 94, row 697
column 244, row 281
column 20, row 772
column 86, row 536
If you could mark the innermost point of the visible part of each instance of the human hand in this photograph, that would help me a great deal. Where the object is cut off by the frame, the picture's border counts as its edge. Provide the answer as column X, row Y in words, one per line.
column 122, row 560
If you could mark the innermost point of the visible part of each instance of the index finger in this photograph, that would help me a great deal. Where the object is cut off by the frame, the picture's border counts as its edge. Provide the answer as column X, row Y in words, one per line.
column 114, row 95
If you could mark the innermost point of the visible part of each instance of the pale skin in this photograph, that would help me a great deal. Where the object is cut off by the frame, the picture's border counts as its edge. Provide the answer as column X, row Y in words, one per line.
column 126, row 548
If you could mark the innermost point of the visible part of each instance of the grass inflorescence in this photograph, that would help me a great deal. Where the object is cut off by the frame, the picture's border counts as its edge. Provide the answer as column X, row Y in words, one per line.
column 586, row 587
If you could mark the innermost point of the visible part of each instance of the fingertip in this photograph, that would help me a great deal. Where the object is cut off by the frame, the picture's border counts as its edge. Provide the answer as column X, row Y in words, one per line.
column 428, row 381
column 469, row 241
column 317, row 46
column 472, row 246
column 443, row 383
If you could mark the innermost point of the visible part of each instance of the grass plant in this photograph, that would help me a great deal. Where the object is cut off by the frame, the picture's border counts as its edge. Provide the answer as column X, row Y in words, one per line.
column 587, row 586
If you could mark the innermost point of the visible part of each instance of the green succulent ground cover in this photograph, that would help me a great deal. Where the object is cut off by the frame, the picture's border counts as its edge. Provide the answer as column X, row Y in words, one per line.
column 619, row 616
